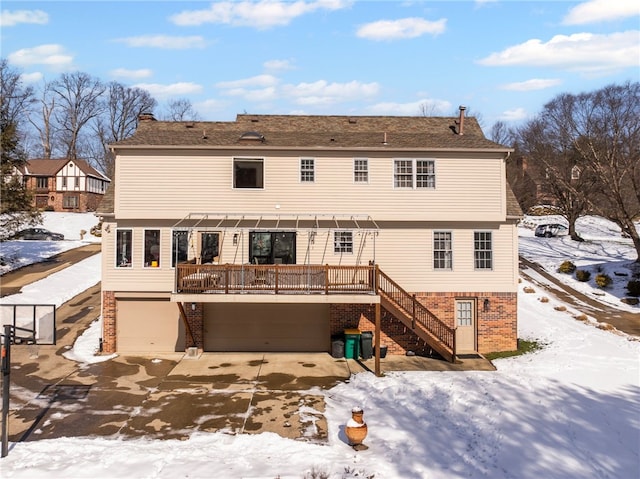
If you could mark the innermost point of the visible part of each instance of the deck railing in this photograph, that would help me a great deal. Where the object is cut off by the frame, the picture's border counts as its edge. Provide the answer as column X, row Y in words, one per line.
column 274, row 278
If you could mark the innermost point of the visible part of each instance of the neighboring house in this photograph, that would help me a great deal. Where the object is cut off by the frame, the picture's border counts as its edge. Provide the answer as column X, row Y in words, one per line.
column 64, row 185
column 277, row 232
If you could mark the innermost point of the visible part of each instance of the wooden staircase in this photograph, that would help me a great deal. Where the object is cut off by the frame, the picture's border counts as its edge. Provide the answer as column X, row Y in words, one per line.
column 407, row 309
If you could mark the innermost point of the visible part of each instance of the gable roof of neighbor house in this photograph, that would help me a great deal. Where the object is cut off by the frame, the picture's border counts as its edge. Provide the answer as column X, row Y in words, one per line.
column 300, row 131
column 50, row 167
column 310, row 131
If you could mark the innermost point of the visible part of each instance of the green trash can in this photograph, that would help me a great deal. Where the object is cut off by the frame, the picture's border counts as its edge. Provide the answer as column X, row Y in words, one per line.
column 352, row 343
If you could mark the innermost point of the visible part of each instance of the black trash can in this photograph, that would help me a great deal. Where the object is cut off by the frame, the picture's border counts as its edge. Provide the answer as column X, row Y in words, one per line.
column 337, row 347
column 366, row 344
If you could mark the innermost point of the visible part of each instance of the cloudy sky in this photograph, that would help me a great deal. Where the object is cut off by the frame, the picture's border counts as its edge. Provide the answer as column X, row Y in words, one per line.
column 502, row 59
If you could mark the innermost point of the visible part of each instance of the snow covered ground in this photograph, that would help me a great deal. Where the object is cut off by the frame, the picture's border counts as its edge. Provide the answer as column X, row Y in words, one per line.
column 570, row 410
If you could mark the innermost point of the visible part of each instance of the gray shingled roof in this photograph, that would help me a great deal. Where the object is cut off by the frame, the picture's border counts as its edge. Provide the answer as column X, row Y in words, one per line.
column 307, row 131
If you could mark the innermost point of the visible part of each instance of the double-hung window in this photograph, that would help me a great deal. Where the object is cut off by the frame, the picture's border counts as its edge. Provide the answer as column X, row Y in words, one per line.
column 414, row 173
column 360, row 170
column 343, row 242
column 483, row 250
column 442, row 250
column 307, row 170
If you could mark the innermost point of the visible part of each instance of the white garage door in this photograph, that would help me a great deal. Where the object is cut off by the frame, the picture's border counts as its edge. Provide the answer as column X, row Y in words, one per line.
column 266, row 327
column 148, row 325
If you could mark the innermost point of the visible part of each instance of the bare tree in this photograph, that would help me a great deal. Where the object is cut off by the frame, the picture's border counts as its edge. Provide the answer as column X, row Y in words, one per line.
column 588, row 147
column 606, row 132
column 181, row 109
column 78, row 102
column 119, row 121
column 41, row 120
column 15, row 201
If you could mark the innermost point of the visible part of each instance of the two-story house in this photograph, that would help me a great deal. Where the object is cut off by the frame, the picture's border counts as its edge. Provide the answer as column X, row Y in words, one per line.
column 64, row 184
column 276, row 232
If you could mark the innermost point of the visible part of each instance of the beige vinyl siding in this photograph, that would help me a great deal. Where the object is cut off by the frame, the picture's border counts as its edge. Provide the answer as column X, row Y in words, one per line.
column 404, row 254
column 173, row 186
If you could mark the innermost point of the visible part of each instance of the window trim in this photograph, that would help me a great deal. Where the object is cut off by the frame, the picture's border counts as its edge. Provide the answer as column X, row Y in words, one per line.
column 308, row 171
column 340, row 246
column 149, row 264
column 445, row 251
column 477, row 252
column 361, row 171
column 130, row 263
column 413, row 174
column 247, row 159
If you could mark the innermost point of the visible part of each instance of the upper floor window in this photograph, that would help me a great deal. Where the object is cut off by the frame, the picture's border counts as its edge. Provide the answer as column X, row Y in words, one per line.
column 414, row 174
column 42, row 182
column 77, row 182
column 360, row 170
column 482, row 250
column 152, row 248
column 343, row 242
column 442, row 250
column 64, row 181
column 307, row 170
column 123, row 248
column 248, row 173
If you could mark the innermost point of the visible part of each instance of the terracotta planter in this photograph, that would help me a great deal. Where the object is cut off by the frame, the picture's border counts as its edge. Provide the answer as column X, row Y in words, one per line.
column 356, row 429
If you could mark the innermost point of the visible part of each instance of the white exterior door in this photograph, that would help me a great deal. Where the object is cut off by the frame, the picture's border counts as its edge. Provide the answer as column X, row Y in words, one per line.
column 465, row 326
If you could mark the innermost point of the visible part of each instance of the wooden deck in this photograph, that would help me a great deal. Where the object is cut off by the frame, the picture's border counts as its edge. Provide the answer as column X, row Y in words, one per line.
column 275, row 278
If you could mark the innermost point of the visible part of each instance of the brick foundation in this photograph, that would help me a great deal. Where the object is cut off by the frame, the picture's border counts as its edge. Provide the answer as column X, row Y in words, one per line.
column 496, row 326
column 108, row 322
column 196, row 324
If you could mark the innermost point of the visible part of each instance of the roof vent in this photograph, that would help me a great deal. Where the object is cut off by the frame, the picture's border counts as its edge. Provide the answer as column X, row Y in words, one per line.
column 353, row 120
column 252, row 136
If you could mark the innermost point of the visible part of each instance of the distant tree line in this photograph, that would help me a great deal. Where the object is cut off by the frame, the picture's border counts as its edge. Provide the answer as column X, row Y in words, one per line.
column 76, row 115
column 585, row 149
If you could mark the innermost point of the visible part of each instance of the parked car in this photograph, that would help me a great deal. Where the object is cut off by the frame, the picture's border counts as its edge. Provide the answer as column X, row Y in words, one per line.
column 38, row 234
column 549, row 230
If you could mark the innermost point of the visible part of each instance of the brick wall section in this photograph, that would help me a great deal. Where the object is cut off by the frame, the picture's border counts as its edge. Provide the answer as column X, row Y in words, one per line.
column 196, row 323
column 497, row 327
column 108, row 322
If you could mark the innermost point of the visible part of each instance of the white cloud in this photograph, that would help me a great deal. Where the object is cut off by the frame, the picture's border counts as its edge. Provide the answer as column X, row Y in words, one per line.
column 582, row 52
column 164, row 41
column 31, row 78
column 516, row 114
column 175, row 89
column 263, row 88
column 398, row 29
column 262, row 14
column 322, row 92
column 210, row 107
column 131, row 74
column 256, row 81
column 596, row 11
column 11, row 19
column 51, row 55
column 533, row 84
column 435, row 107
column 278, row 65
